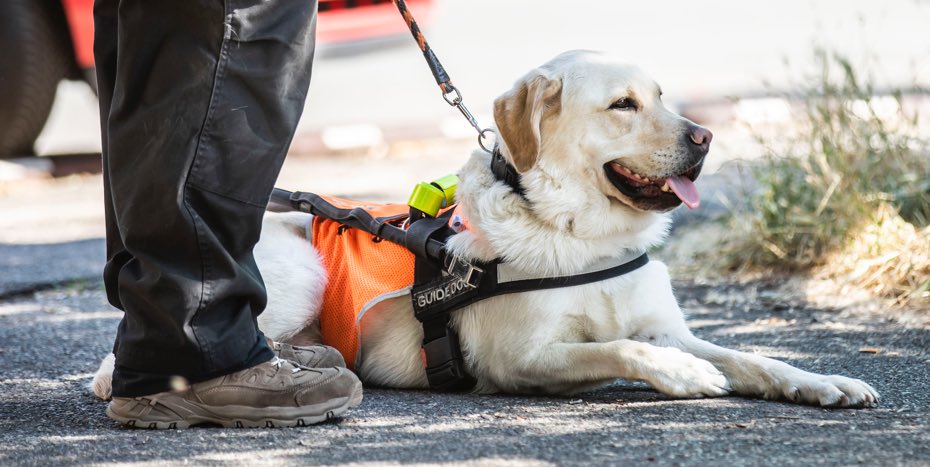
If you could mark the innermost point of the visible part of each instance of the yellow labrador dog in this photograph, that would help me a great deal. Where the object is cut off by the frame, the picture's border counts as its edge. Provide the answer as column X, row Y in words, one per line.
column 601, row 161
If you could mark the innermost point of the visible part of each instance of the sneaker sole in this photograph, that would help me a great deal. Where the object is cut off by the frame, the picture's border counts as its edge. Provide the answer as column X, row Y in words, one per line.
column 265, row 422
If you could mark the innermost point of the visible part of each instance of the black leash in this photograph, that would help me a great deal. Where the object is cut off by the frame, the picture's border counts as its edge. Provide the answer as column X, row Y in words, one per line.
column 450, row 93
column 501, row 169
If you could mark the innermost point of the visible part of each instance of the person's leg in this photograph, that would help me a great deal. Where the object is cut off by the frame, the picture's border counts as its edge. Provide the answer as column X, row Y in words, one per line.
column 105, row 37
column 198, row 111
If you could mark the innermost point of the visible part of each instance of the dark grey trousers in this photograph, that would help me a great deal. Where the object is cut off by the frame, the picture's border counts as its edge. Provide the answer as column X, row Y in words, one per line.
column 199, row 101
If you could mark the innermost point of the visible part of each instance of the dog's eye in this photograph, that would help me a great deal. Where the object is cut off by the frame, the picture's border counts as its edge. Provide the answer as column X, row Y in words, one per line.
column 624, row 103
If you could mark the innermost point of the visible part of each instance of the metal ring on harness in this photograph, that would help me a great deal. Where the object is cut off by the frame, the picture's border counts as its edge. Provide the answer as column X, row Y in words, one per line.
column 481, row 137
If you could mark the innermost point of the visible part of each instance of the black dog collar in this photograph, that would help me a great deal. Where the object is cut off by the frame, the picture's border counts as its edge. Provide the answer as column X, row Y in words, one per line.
column 506, row 172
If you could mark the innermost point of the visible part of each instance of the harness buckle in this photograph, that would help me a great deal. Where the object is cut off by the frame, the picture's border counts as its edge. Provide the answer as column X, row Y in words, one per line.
column 465, row 270
column 444, row 364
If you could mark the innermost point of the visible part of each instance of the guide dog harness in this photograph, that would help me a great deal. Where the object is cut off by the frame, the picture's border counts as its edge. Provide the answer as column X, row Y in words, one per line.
column 375, row 252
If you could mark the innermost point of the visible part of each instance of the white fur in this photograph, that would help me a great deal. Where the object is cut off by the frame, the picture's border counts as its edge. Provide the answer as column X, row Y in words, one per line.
column 103, row 378
column 295, row 290
column 556, row 341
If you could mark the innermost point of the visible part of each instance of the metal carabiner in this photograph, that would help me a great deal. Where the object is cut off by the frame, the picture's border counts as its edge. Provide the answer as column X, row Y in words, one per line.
column 450, row 91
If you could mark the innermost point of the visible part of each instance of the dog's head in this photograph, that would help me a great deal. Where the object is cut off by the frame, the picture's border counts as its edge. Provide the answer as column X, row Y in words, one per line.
column 585, row 119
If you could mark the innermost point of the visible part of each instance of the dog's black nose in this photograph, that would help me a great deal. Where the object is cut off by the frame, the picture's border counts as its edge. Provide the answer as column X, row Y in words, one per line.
column 700, row 137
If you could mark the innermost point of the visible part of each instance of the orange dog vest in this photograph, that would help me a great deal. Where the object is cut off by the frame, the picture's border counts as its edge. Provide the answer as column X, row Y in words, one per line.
column 362, row 270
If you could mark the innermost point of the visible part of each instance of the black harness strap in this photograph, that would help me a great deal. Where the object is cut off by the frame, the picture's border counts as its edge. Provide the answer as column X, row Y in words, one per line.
column 528, row 285
column 465, row 283
column 461, row 283
column 387, row 228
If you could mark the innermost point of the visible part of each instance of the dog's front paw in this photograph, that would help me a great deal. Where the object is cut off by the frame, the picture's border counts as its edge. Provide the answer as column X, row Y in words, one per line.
column 102, row 385
column 829, row 391
column 681, row 374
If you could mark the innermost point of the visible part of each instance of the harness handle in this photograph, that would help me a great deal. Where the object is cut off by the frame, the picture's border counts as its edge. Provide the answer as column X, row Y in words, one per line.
column 450, row 93
column 415, row 240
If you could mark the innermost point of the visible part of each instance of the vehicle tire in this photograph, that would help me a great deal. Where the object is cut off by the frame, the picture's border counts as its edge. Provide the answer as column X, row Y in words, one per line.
column 36, row 57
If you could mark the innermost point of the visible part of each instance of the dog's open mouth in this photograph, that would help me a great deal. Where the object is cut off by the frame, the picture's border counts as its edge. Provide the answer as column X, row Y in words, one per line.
column 656, row 193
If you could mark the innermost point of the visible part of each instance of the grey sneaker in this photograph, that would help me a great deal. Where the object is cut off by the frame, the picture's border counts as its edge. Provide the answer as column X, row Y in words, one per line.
column 310, row 356
column 277, row 393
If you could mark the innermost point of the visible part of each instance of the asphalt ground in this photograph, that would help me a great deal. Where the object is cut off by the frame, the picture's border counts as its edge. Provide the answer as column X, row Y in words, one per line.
column 52, row 341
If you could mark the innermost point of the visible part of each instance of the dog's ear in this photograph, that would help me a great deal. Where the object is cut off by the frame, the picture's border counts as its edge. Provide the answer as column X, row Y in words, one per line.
column 519, row 114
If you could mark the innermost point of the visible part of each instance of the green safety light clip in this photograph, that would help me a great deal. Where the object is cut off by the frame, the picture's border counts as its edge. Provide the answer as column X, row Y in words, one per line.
column 428, row 198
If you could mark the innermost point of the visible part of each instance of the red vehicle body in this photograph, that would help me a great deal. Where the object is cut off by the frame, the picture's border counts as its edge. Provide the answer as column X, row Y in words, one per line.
column 51, row 40
column 80, row 16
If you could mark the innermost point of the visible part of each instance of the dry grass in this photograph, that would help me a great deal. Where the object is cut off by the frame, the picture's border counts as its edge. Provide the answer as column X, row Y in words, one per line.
column 888, row 256
column 849, row 199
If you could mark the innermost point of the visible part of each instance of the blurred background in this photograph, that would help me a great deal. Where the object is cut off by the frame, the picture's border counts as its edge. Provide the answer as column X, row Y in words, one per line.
column 370, row 75
column 375, row 124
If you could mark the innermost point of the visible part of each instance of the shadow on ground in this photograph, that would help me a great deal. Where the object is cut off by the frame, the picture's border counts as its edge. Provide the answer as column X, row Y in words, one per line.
column 27, row 267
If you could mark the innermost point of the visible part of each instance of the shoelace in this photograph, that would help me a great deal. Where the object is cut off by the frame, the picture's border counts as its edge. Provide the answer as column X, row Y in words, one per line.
column 278, row 361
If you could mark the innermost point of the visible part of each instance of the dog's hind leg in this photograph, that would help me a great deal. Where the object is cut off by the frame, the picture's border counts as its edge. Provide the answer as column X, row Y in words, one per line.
column 757, row 376
column 294, row 277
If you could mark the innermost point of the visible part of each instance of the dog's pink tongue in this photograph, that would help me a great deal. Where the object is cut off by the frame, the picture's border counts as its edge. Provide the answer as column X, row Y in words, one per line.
column 685, row 190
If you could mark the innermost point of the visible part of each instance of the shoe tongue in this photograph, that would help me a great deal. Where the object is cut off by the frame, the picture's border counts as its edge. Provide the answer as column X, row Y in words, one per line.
column 685, row 190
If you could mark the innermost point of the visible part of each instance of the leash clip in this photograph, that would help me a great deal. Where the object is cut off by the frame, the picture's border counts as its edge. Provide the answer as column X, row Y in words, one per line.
column 457, row 102
column 449, row 91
